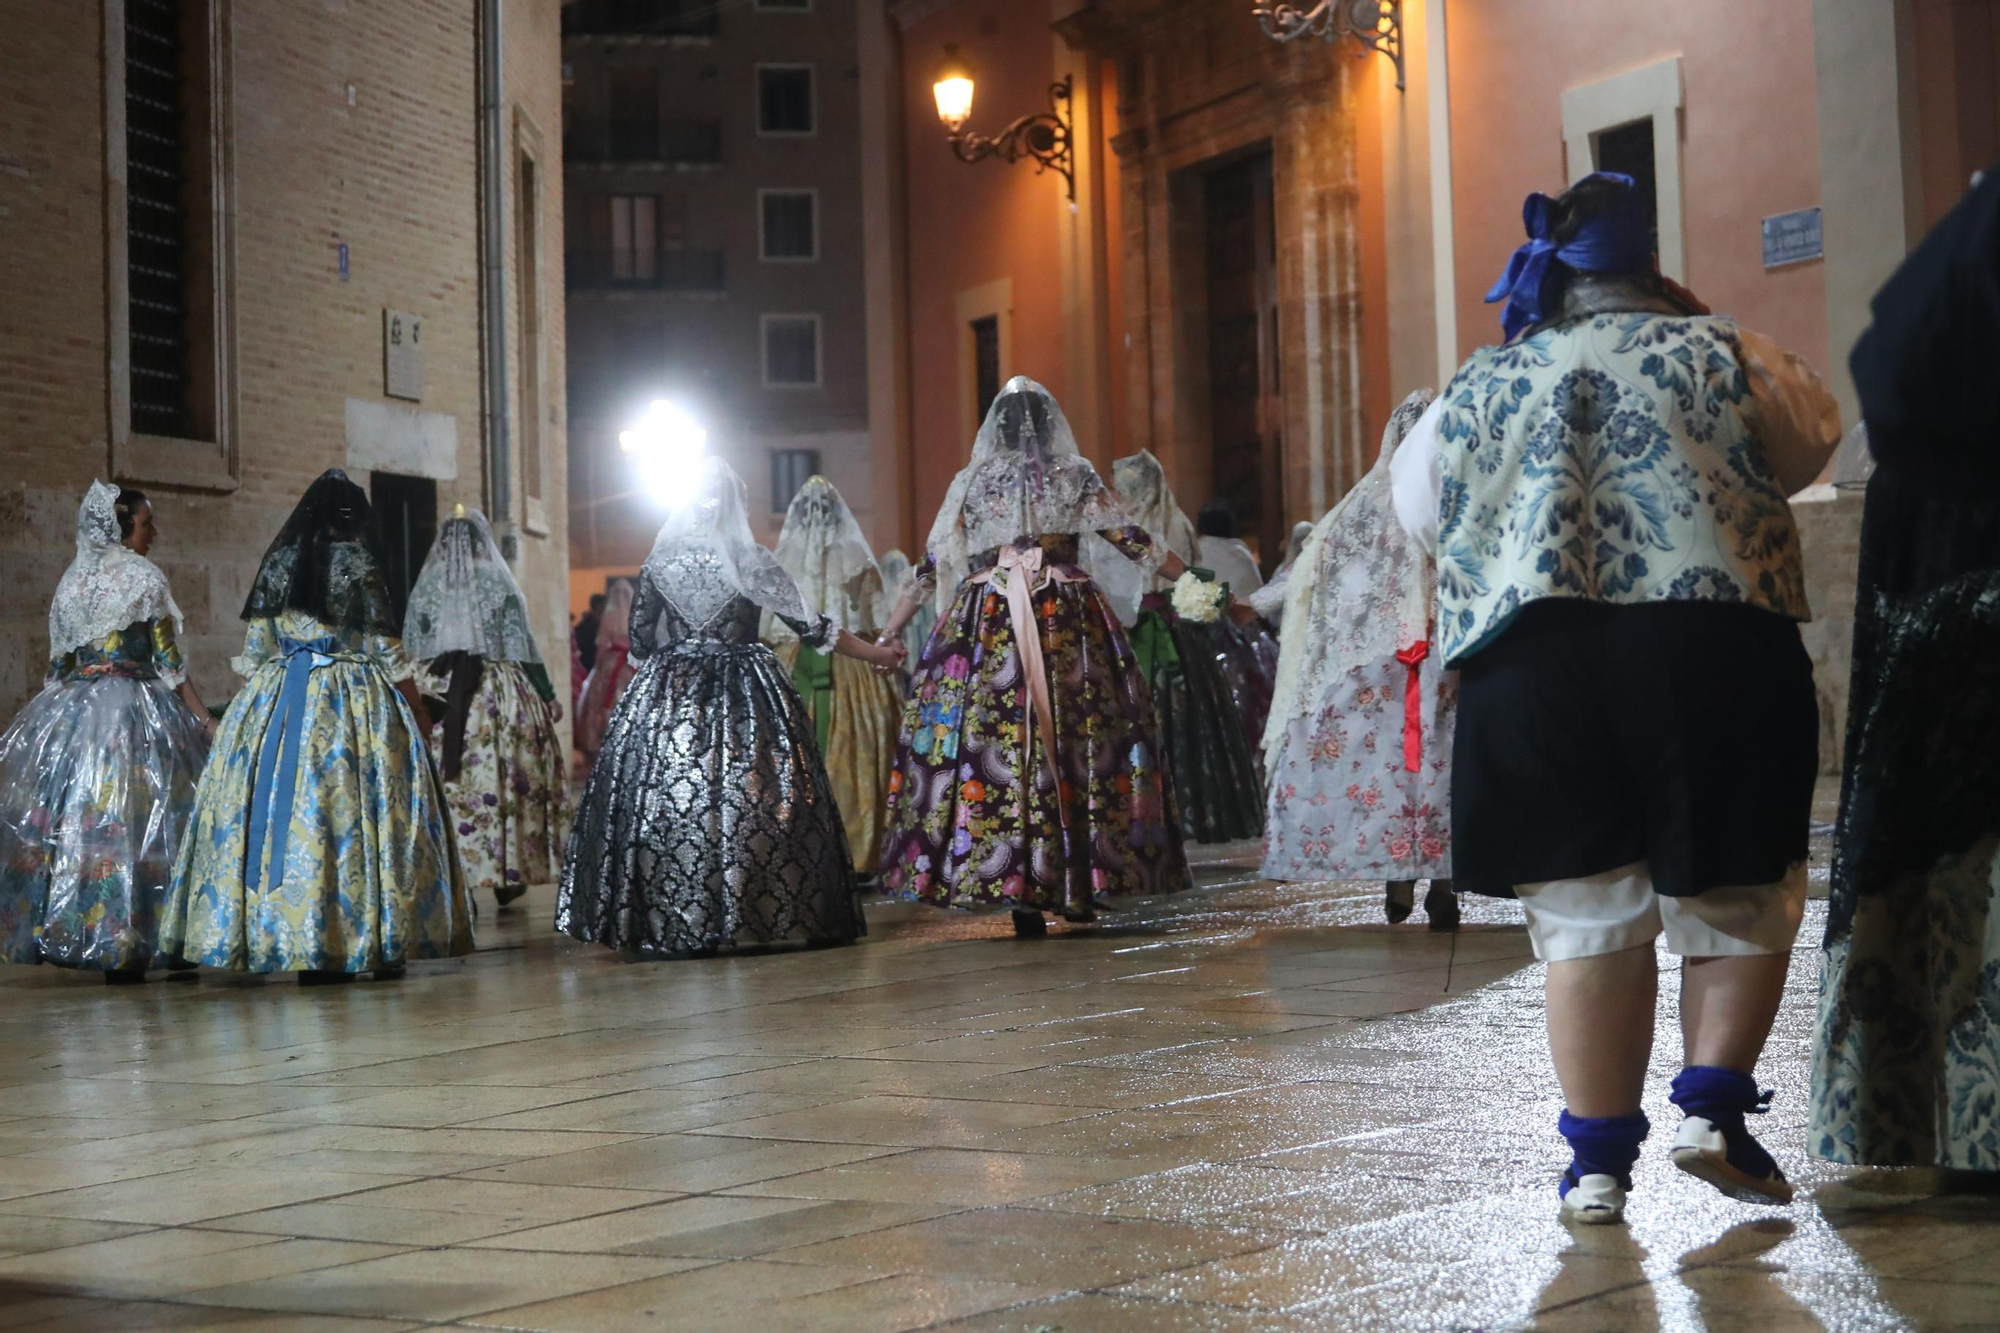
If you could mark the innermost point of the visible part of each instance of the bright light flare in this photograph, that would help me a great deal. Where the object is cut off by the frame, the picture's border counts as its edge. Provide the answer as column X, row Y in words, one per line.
column 951, row 86
column 666, row 446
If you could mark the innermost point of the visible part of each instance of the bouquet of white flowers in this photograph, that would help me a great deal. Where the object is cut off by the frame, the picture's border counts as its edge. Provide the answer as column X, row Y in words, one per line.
column 1199, row 599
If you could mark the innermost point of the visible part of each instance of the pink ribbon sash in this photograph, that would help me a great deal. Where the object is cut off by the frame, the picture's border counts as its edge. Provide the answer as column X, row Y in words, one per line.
column 1021, row 574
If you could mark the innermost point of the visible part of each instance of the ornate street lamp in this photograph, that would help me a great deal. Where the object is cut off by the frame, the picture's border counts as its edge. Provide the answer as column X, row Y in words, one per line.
column 1376, row 24
column 1043, row 136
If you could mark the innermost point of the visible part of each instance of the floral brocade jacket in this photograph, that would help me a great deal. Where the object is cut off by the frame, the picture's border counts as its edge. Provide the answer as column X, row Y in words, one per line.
column 1615, row 458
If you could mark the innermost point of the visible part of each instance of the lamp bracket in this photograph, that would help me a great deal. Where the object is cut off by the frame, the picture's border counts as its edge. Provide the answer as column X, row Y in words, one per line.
column 1376, row 24
column 1043, row 136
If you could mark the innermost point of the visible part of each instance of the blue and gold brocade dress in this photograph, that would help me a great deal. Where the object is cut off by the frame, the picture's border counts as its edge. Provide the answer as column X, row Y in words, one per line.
column 320, row 840
column 97, row 780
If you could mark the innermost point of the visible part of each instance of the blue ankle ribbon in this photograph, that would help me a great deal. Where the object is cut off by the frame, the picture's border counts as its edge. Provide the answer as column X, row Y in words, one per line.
column 278, row 759
column 1605, row 1145
column 1723, row 1096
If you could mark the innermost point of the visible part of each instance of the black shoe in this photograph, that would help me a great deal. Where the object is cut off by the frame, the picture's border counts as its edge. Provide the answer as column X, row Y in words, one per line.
column 388, row 973
column 125, row 976
column 1029, row 925
column 316, row 977
column 828, row 942
column 1398, row 910
column 507, row 894
column 1441, row 906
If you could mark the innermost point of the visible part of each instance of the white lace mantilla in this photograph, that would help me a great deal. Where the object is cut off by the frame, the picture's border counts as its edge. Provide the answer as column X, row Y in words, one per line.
column 466, row 600
column 107, row 587
column 717, row 518
column 822, row 547
column 1026, row 479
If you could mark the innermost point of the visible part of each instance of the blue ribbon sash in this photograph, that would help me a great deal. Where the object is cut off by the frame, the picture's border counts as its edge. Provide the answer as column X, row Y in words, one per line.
column 278, row 760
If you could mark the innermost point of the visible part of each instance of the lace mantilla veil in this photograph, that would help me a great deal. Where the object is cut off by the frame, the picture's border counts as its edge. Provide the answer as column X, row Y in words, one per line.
column 1150, row 502
column 822, row 547
column 1359, row 592
column 716, row 518
column 1026, row 480
column 466, row 600
column 106, row 587
column 327, row 561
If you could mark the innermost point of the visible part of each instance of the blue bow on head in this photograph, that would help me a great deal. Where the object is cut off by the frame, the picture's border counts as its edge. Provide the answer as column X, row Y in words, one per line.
column 1617, row 241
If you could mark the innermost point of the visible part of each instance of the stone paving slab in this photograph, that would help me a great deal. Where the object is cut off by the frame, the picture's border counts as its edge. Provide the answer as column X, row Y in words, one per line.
column 1252, row 1107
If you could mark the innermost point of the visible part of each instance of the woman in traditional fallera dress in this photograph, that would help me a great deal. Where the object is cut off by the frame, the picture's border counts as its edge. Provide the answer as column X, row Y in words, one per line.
column 708, row 819
column 1637, row 736
column 1359, row 741
column 855, row 709
column 612, row 671
column 321, row 842
column 1217, row 787
column 495, row 736
column 97, row 774
column 1906, row 1071
column 1029, row 773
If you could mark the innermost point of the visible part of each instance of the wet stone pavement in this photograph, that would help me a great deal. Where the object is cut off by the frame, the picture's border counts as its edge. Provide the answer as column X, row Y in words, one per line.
column 1253, row 1107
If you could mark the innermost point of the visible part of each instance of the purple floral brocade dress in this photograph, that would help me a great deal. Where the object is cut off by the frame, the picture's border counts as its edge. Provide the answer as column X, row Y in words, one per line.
column 977, row 819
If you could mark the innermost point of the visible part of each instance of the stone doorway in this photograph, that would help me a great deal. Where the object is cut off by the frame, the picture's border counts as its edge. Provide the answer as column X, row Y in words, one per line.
column 1246, row 413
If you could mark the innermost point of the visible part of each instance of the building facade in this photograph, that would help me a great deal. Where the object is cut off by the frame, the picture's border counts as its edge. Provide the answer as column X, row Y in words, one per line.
column 248, row 242
column 714, row 194
column 1272, row 243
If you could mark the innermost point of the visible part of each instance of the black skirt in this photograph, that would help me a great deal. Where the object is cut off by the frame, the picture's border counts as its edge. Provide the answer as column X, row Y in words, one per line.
column 1682, row 734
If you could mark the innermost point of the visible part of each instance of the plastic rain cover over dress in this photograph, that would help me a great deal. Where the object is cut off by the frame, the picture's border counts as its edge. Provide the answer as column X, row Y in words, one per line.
column 98, row 772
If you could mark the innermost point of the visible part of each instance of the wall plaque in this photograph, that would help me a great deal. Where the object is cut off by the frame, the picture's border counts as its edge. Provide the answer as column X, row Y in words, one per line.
column 402, row 356
column 1792, row 238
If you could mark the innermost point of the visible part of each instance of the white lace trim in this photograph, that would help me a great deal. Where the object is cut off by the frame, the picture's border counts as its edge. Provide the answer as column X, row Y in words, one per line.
column 107, row 587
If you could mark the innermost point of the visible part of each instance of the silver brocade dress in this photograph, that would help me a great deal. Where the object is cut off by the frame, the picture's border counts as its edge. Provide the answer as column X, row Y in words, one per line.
column 708, row 818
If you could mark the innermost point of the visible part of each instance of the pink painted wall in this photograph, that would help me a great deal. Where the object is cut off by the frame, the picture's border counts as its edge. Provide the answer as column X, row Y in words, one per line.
column 1750, row 142
column 974, row 224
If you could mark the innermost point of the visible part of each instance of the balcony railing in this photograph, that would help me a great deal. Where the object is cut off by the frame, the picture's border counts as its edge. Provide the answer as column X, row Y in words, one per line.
column 641, row 18
column 680, row 143
column 674, row 272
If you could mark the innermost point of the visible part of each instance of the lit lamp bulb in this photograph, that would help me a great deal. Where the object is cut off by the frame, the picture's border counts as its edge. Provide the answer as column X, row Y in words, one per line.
column 952, row 87
column 666, row 447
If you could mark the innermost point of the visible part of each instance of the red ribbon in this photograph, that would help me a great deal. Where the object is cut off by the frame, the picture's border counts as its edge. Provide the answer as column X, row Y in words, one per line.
column 1413, row 705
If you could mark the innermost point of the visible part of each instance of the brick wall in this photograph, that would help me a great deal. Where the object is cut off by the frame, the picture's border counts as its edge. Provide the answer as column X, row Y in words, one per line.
column 393, row 175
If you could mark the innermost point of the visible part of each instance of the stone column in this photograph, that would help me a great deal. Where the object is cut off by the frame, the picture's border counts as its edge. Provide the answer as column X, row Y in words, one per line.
column 1319, row 282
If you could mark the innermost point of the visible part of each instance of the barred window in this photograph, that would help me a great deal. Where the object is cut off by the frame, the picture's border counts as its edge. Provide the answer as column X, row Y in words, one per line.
column 791, row 351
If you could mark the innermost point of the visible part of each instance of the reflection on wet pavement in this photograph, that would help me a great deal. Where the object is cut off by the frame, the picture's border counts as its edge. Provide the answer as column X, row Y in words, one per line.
column 1255, row 1107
